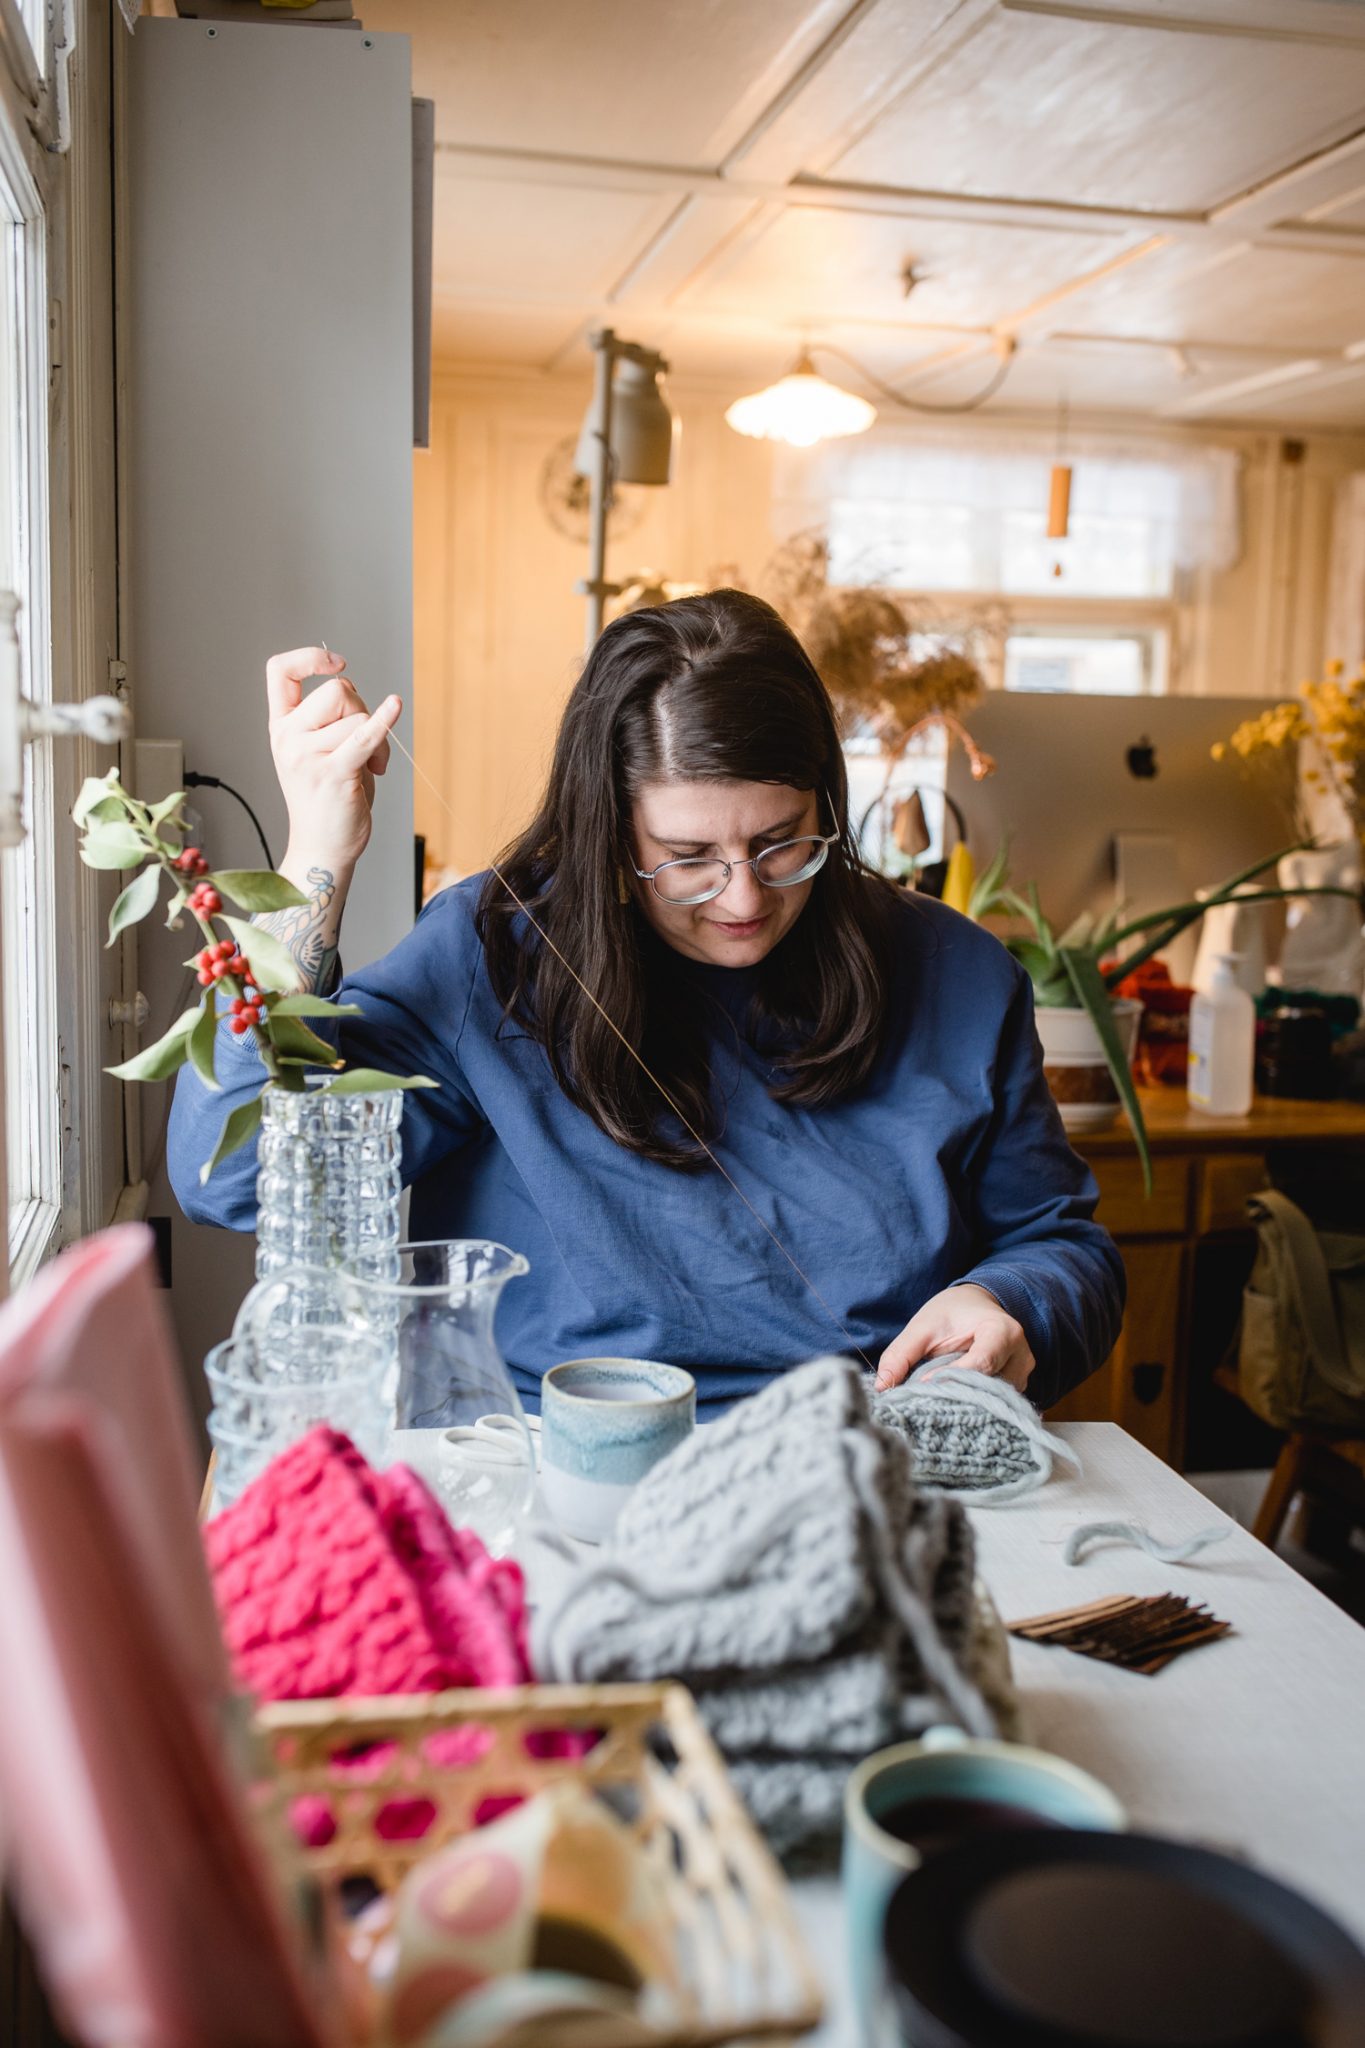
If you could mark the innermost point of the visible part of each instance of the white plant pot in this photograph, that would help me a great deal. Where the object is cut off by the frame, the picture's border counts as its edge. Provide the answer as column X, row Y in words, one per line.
column 1076, row 1068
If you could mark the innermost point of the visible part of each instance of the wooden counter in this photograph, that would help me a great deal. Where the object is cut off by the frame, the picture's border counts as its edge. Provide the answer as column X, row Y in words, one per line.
column 1203, row 1169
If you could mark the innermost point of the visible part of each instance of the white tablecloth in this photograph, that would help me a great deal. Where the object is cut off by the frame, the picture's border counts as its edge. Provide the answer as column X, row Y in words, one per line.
column 1254, row 1744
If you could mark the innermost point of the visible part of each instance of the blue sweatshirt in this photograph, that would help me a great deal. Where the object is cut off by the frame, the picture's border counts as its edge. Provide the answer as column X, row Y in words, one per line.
column 949, row 1164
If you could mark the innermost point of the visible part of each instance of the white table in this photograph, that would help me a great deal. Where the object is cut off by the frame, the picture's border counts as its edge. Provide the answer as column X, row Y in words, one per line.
column 1254, row 1744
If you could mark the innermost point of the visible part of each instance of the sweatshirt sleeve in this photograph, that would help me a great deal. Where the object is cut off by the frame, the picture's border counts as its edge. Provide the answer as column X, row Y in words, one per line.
column 412, row 1006
column 1041, row 1253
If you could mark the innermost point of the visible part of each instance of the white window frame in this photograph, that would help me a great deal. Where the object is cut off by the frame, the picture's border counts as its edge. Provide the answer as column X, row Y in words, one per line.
column 60, row 1121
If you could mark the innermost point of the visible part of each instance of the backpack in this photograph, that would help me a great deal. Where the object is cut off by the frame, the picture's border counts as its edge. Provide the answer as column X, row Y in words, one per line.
column 1301, row 1348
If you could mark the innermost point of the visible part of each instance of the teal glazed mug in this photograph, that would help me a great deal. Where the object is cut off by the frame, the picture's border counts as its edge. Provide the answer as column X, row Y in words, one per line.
column 604, row 1423
column 904, row 1803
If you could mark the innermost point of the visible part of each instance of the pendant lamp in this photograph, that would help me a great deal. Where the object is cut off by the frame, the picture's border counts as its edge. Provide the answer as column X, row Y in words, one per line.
column 801, row 408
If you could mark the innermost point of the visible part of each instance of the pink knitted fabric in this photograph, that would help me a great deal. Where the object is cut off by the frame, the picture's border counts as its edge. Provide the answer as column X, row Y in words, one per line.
column 334, row 1579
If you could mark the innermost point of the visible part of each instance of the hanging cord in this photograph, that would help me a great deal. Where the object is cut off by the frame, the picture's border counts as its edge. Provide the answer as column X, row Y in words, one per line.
column 193, row 781
column 648, row 1073
column 889, row 391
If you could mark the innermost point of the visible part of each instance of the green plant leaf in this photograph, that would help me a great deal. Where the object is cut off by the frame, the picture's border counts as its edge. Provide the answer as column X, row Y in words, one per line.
column 137, row 901
column 177, row 904
column 1093, row 997
column 239, row 1125
column 113, row 846
column 1037, row 962
column 273, row 966
column 256, row 889
column 986, row 890
column 313, row 1006
column 1190, row 913
column 96, row 791
column 201, row 1041
column 158, row 1062
column 293, row 1040
column 368, row 1081
column 167, row 808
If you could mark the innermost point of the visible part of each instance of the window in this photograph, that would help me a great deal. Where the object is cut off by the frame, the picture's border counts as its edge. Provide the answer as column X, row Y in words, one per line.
column 31, row 1056
column 1088, row 660
column 954, row 520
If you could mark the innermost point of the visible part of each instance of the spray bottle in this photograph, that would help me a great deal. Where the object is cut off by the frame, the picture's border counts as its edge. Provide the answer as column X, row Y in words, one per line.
column 1222, row 1043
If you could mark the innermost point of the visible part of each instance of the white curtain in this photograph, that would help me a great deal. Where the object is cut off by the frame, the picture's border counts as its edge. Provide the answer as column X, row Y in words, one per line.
column 1345, row 634
column 1182, row 498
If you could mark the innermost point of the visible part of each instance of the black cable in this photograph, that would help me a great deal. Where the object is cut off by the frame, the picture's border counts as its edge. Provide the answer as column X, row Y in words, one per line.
column 916, row 404
column 193, row 781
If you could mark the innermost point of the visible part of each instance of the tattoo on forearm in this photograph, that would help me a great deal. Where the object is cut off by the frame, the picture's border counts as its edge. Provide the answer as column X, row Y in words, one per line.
column 309, row 930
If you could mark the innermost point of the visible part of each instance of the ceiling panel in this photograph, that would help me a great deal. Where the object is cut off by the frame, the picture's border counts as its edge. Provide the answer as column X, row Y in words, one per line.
column 674, row 81
column 1038, row 107
column 524, row 337
column 1262, row 298
column 815, row 264
column 535, row 242
column 1336, row 404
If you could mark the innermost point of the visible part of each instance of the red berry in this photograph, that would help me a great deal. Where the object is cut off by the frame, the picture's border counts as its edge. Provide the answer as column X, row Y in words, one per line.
column 239, row 1025
column 219, row 969
column 238, row 1007
column 205, row 978
column 239, row 964
column 225, row 949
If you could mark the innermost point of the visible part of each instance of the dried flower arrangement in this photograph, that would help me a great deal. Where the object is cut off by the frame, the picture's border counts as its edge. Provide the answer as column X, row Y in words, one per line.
column 863, row 644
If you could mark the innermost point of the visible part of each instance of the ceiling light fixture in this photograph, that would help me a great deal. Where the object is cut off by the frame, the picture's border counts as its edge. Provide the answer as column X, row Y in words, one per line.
column 801, row 408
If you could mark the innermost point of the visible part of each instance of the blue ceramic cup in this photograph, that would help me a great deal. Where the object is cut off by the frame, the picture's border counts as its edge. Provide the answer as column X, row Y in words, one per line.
column 946, row 1772
column 603, row 1423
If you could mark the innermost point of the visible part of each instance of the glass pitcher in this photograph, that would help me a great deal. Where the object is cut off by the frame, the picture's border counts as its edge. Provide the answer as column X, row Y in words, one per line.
column 447, row 1376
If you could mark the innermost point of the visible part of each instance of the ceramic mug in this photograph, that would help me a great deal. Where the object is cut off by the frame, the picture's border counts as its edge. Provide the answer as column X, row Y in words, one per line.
column 603, row 1423
column 943, row 1767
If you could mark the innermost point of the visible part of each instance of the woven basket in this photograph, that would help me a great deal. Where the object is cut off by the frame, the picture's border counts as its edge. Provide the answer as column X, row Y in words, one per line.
column 743, row 1959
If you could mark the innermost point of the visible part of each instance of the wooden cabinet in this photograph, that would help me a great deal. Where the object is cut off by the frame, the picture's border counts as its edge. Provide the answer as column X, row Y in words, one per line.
column 1139, row 1384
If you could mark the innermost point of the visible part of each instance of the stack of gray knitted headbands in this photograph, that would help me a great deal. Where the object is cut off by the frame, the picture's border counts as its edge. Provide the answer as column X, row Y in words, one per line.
column 784, row 1565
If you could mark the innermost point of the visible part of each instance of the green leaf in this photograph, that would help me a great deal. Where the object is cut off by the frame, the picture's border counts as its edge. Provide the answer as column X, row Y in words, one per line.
column 96, row 791
column 257, row 889
column 1093, row 997
column 1037, row 962
column 167, row 808
column 177, row 904
column 368, row 1081
column 201, row 1041
column 137, row 901
column 313, row 1006
column 238, row 1126
column 158, row 1062
column 113, row 846
column 294, row 1040
column 273, row 966
column 986, row 890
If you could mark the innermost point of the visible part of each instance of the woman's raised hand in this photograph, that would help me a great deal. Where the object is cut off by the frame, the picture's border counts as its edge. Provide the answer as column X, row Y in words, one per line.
column 328, row 748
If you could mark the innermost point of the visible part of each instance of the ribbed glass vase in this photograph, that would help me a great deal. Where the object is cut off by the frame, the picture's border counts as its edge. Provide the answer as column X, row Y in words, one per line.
column 329, row 1183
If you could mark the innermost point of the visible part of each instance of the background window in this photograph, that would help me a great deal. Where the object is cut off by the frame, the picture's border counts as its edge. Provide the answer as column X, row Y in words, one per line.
column 1095, row 663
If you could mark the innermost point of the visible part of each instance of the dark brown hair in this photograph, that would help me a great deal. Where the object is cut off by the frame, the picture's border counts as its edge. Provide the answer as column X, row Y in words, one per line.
column 705, row 689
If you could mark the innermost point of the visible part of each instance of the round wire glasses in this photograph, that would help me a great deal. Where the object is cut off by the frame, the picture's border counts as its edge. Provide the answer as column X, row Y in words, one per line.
column 777, row 867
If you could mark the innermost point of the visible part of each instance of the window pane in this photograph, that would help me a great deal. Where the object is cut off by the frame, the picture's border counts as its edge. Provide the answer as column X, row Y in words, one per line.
column 1099, row 664
column 1101, row 557
column 28, row 1009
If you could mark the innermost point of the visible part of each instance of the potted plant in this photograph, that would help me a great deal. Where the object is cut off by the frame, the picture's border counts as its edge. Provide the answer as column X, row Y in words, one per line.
column 330, row 1146
column 1089, row 1034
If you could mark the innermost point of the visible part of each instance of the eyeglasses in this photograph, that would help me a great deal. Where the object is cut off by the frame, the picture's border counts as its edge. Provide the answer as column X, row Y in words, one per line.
column 777, row 867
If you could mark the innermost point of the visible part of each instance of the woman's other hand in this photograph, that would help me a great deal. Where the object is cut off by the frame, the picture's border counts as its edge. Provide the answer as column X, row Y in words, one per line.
column 328, row 748
column 965, row 1319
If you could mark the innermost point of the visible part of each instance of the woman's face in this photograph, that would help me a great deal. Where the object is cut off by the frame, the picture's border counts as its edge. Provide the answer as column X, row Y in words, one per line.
column 729, row 821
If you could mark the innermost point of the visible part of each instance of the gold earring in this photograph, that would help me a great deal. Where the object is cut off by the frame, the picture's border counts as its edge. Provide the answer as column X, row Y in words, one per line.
column 622, row 886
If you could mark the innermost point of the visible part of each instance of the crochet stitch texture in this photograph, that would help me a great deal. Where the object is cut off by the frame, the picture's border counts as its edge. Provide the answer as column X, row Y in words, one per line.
column 784, row 1565
column 332, row 1578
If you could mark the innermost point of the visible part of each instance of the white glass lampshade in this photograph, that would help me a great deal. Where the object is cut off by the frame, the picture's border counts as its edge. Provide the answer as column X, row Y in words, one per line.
column 641, row 427
column 801, row 408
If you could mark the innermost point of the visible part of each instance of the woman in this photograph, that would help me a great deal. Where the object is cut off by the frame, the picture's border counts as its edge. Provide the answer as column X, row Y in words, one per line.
column 860, row 1062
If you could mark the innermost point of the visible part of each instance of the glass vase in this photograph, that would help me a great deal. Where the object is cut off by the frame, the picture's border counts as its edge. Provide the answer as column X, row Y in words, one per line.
column 329, row 1183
